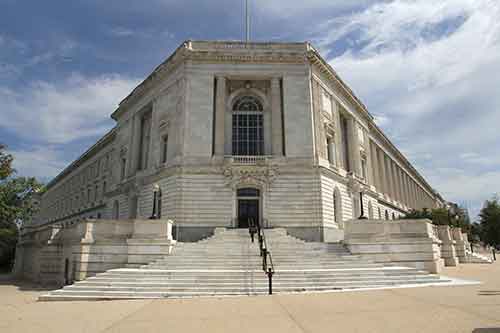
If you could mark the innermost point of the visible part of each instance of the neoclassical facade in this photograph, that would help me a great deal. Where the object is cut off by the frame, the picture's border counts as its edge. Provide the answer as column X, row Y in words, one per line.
column 222, row 133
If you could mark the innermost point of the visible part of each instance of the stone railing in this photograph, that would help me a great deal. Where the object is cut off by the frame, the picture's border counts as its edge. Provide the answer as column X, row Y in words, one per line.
column 248, row 160
column 410, row 243
column 56, row 254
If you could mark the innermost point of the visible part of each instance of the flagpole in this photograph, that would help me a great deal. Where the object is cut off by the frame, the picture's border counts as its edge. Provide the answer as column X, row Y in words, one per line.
column 247, row 22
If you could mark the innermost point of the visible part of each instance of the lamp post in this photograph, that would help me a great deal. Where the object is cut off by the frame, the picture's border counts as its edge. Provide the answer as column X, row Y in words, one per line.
column 362, row 216
column 156, row 189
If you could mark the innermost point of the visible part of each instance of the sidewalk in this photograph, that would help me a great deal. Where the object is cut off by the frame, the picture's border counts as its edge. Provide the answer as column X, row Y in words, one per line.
column 473, row 308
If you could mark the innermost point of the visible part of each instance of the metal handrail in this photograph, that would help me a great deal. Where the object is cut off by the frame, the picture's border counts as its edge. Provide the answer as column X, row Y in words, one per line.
column 267, row 259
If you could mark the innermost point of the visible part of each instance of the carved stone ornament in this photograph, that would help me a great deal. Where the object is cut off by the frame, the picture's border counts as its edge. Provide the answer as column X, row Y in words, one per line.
column 261, row 176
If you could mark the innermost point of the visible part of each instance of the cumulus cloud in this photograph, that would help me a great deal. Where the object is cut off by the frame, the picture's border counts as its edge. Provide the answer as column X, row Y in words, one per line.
column 74, row 108
column 430, row 71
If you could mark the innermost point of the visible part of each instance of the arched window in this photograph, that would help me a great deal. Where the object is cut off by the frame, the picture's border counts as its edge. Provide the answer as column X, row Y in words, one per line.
column 247, row 103
column 248, row 127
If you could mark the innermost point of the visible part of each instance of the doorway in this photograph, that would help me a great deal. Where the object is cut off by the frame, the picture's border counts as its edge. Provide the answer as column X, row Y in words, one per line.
column 248, row 207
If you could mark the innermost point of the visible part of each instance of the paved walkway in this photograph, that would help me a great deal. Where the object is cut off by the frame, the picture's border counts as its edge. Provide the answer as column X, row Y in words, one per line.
column 472, row 308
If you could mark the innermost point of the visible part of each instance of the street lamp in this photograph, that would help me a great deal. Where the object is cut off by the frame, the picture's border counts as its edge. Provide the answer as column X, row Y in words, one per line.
column 362, row 216
column 156, row 189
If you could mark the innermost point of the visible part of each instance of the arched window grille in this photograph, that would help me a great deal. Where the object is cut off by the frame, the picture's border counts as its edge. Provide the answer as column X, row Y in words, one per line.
column 247, row 127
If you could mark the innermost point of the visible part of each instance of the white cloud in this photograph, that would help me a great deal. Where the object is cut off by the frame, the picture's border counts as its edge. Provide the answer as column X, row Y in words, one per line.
column 430, row 71
column 299, row 7
column 42, row 162
column 74, row 108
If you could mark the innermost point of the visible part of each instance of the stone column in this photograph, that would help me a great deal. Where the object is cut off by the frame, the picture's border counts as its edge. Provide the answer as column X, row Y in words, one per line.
column 383, row 172
column 448, row 252
column 354, row 156
column 369, row 164
column 220, row 111
column 390, row 185
column 398, row 182
column 133, row 158
column 405, row 187
column 277, row 146
column 374, row 166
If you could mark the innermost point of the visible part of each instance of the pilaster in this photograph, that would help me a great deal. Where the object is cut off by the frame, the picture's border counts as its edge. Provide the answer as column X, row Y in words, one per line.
column 277, row 149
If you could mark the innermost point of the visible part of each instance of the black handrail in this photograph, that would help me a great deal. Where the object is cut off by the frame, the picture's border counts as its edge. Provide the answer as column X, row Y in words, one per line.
column 267, row 259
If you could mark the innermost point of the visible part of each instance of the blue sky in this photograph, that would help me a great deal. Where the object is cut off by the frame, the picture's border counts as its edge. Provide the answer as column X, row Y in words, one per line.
column 429, row 71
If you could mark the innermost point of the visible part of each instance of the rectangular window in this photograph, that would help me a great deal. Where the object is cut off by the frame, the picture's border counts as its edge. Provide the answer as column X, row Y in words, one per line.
column 164, row 150
column 144, row 141
column 248, row 134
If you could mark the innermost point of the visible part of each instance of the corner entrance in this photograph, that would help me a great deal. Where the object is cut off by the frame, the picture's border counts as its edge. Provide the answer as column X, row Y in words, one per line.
column 248, row 206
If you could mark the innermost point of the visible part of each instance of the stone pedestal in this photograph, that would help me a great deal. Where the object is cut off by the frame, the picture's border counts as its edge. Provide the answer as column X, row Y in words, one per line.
column 152, row 240
column 448, row 252
column 410, row 243
column 460, row 245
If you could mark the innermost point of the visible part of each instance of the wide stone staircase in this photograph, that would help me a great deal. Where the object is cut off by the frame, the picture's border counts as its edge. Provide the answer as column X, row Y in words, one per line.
column 228, row 263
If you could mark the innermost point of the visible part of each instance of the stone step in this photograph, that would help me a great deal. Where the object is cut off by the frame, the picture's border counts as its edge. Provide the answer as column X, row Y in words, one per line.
column 229, row 264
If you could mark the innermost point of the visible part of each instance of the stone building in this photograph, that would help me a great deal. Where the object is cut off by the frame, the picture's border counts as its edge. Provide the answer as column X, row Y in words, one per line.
column 225, row 132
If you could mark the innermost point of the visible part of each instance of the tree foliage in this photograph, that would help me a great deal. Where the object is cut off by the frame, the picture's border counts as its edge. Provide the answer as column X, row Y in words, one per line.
column 489, row 222
column 443, row 216
column 16, row 205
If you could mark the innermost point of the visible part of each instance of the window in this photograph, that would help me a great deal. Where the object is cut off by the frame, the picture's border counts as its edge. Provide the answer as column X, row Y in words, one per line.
column 248, row 192
column 144, row 141
column 89, row 193
column 393, row 216
column 104, row 185
column 96, row 193
column 164, row 149
column 386, row 215
column 379, row 213
column 247, row 127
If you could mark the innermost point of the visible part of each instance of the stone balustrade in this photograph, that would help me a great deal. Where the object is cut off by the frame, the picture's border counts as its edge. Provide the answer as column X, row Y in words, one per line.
column 460, row 244
column 409, row 243
column 448, row 251
column 56, row 255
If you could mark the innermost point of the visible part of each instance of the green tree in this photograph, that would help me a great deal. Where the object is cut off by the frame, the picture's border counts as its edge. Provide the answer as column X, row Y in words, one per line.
column 16, row 205
column 489, row 219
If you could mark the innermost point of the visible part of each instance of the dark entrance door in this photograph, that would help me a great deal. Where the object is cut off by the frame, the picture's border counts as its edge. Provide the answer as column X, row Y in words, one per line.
column 248, row 209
